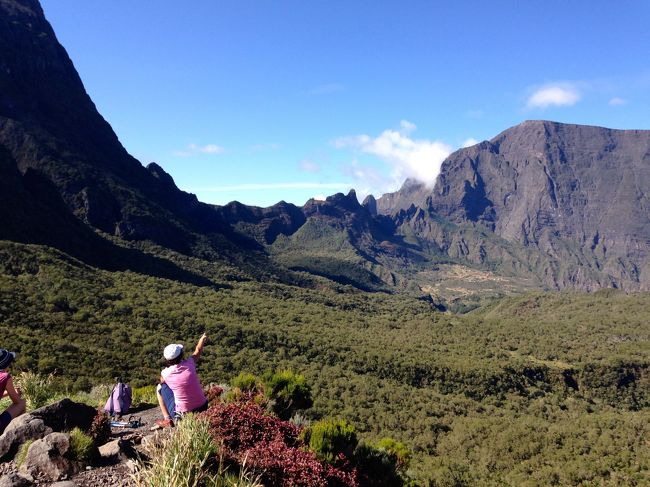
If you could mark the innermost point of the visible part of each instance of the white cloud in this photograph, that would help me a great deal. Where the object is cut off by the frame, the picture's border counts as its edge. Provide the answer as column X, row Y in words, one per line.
column 469, row 142
column 262, row 186
column 210, row 149
column 407, row 127
column 308, row 165
column 617, row 102
column 368, row 180
column 407, row 158
column 554, row 94
column 193, row 150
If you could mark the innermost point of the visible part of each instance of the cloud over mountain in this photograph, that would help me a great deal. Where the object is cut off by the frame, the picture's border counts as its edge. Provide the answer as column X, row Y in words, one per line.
column 407, row 157
column 554, row 94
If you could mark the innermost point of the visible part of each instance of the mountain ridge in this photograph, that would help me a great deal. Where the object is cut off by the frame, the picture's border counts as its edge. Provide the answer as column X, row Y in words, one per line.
column 544, row 203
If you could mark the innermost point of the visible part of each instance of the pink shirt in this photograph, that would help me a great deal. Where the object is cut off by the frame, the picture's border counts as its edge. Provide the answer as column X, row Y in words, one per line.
column 184, row 383
column 4, row 378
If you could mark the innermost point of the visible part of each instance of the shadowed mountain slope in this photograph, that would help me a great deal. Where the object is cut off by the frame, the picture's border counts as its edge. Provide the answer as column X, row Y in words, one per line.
column 49, row 127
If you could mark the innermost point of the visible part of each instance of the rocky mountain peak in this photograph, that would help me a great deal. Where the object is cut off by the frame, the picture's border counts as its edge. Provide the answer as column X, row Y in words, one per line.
column 159, row 173
column 370, row 204
column 412, row 192
column 26, row 7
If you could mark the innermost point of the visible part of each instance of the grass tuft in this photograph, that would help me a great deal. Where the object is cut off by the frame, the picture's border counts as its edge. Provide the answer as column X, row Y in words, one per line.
column 82, row 446
column 37, row 389
column 180, row 459
column 22, row 452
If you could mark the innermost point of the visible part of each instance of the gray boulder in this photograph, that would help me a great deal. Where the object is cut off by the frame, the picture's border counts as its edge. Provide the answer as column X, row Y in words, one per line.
column 48, row 458
column 60, row 416
column 117, row 451
column 16, row 480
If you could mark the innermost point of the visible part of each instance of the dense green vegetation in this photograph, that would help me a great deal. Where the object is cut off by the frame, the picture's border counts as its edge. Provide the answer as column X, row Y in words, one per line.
column 541, row 389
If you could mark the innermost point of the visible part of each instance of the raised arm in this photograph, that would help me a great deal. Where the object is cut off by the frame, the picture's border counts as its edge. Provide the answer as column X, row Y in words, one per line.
column 11, row 391
column 199, row 347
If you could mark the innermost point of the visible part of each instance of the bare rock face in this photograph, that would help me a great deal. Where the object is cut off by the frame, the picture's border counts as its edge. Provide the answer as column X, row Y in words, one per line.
column 49, row 458
column 60, row 416
column 542, row 179
column 412, row 193
column 576, row 196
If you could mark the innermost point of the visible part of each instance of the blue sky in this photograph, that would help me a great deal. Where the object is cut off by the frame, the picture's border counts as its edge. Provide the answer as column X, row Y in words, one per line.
column 261, row 101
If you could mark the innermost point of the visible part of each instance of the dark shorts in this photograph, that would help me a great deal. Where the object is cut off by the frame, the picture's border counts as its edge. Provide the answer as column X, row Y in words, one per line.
column 5, row 419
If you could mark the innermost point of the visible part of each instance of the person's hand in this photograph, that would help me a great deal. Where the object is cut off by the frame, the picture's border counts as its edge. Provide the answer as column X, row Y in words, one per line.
column 204, row 338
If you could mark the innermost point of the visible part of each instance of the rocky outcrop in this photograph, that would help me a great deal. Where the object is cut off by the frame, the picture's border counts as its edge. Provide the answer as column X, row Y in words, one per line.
column 575, row 197
column 412, row 193
column 16, row 479
column 60, row 416
column 50, row 458
column 263, row 224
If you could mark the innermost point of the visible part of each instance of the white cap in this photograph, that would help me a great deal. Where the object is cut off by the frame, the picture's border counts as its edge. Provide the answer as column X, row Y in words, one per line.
column 172, row 351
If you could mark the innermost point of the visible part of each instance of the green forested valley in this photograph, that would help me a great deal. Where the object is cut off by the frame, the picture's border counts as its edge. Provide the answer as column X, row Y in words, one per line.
column 540, row 389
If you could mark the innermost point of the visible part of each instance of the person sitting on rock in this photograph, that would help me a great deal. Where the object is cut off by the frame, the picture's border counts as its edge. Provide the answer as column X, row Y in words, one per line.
column 180, row 390
column 7, row 388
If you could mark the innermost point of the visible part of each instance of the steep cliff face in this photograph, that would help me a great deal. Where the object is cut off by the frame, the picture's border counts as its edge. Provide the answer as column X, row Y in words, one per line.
column 50, row 126
column 542, row 179
column 577, row 194
column 412, row 192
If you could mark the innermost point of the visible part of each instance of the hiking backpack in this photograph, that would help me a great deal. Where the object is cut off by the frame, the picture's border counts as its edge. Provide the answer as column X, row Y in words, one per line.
column 119, row 401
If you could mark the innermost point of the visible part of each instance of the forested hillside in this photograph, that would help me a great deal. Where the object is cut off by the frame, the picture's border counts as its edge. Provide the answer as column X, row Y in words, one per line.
column 550, row 385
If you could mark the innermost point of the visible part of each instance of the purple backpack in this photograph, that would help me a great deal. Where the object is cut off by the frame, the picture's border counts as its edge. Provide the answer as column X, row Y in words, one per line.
column 120, row 400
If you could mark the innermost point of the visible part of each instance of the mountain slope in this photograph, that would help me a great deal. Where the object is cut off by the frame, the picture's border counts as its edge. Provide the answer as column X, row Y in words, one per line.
column 571, row 199
column 49, row 126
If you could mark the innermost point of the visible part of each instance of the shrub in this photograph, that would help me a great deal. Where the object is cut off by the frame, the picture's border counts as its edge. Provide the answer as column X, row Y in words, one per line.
column 100, row 428
column 397, row 450
column 271, row 447
column 179, row 460
column 38, row 390
column 376, row 467
column 283, row 465
column 330, row 439
column 144, row 395
column 82, row 446
column 383, row 464
column 214, row 394
column 241, row 426
column 288, row 392
column 246, row 382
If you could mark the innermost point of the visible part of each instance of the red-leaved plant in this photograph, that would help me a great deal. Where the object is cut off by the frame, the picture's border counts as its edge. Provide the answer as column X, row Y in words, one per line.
column 272, row 448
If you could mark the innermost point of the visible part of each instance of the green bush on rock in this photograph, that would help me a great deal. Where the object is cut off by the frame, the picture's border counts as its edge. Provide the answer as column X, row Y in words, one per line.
column 330, row 438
